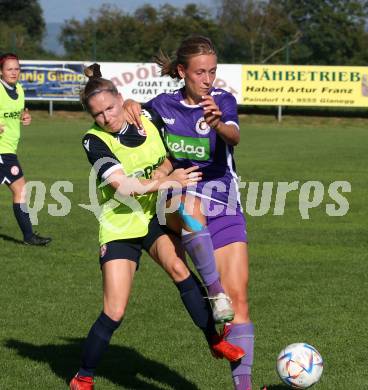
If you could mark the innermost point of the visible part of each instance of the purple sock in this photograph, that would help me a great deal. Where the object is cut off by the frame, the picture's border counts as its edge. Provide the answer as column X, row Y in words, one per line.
column 242, row 335
column 214, row 288
column 200, row 248
column 242, row 382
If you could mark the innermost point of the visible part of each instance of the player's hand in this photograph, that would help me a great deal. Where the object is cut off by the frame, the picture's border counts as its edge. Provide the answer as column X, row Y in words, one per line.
column 2, row 128
column 26, row 118
column 133, row 113
column 158, row 174
column 185, row 177
column 212, row 113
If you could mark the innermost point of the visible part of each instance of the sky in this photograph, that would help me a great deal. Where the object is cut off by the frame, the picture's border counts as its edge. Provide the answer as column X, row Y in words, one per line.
column 57, row 11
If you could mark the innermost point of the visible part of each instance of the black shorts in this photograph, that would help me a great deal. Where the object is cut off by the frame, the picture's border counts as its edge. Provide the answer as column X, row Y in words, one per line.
column 131, row 248
column 10, row 169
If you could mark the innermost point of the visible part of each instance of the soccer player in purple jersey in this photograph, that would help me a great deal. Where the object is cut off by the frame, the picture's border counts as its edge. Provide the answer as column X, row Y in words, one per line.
column 201, row 128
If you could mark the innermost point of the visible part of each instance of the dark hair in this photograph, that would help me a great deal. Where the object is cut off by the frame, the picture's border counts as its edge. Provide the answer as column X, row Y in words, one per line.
column 190, row 47
column 7, row 56
column 95, row 85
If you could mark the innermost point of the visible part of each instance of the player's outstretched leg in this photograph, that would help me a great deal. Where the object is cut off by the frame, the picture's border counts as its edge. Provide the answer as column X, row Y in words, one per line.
column 200, row 312
column 198, row 244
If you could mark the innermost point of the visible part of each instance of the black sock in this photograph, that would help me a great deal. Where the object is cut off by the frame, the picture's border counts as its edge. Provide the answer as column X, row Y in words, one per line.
column 23, row 219
column 198, row 308
column 97, row 341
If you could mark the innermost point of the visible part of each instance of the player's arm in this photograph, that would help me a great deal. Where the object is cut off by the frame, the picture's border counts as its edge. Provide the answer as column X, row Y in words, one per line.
column 133, row 113
column 2, row 128
column 126, row 186
column 110, row 171
column 103, row 161
column 215, row 118
column 26, row 118
column 166, row 167
column 163, row 170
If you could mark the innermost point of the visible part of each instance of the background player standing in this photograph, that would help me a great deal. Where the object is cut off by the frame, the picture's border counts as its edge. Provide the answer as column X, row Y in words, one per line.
column 12, row 114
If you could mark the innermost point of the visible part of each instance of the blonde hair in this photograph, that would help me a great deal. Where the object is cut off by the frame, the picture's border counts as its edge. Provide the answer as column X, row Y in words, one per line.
column 190, row 47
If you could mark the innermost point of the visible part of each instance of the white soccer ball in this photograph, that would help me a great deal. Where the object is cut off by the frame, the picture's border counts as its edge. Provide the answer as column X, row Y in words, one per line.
column 299, row 365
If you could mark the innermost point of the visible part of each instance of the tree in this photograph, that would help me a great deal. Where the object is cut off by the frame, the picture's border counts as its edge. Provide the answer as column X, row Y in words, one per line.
column 118, row 36
column 333, row 31
column 22, row 27
column 252, row 30
column 106, row 34
column 322, row 32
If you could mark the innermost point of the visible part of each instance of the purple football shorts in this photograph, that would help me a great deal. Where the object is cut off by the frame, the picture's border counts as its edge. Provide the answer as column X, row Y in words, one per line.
column 226, row 227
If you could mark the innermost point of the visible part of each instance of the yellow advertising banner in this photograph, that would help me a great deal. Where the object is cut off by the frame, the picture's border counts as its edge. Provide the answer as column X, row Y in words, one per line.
column 304, row 85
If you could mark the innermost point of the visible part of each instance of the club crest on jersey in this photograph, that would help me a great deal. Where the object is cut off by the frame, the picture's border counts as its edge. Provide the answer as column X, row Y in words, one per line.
column 202, row 126
column 142, row 132
column 14, row 170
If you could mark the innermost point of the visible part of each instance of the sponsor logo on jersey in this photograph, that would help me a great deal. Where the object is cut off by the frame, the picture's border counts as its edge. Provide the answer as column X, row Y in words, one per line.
column 202, row 127
column 147, row 171
column 188, row 147
column 12, row 115
column 14, row 170
column 168, row 121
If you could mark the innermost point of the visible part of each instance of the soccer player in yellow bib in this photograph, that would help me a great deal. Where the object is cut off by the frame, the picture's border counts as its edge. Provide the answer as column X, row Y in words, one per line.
column 12, row 114
column 124, row 158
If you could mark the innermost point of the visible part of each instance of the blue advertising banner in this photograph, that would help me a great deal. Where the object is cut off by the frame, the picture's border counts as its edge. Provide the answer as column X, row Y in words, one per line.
column 52, row 80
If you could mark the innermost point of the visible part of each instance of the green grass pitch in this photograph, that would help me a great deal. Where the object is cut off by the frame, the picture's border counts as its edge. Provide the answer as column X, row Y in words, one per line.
column 307, row 276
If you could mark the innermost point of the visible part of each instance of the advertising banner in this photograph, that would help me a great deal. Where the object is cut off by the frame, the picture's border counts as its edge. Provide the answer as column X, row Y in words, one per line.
column 278, row 85
column 52, row 80
column 143, row 82
column 294, row 85
column 58, row 80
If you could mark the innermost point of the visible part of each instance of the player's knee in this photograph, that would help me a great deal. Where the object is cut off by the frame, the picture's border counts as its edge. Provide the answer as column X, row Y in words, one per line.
column 178, row 271
column 116, row 313
column 239, row 298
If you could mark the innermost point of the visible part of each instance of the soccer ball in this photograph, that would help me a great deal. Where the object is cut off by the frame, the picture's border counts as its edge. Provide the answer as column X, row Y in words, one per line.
column 299, row 365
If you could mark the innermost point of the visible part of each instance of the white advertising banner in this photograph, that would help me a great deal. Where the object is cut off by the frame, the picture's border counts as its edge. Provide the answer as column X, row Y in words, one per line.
column 143, row 82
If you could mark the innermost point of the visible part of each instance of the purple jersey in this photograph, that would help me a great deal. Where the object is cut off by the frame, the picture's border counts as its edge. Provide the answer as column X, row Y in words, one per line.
column 190, row 141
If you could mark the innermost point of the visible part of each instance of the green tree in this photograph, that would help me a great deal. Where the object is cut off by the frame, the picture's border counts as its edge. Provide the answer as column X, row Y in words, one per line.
column 333, row 31
column 253, row 31
column 191, row 20
column 117, row 36
column 108, row 34
column 22, row 27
